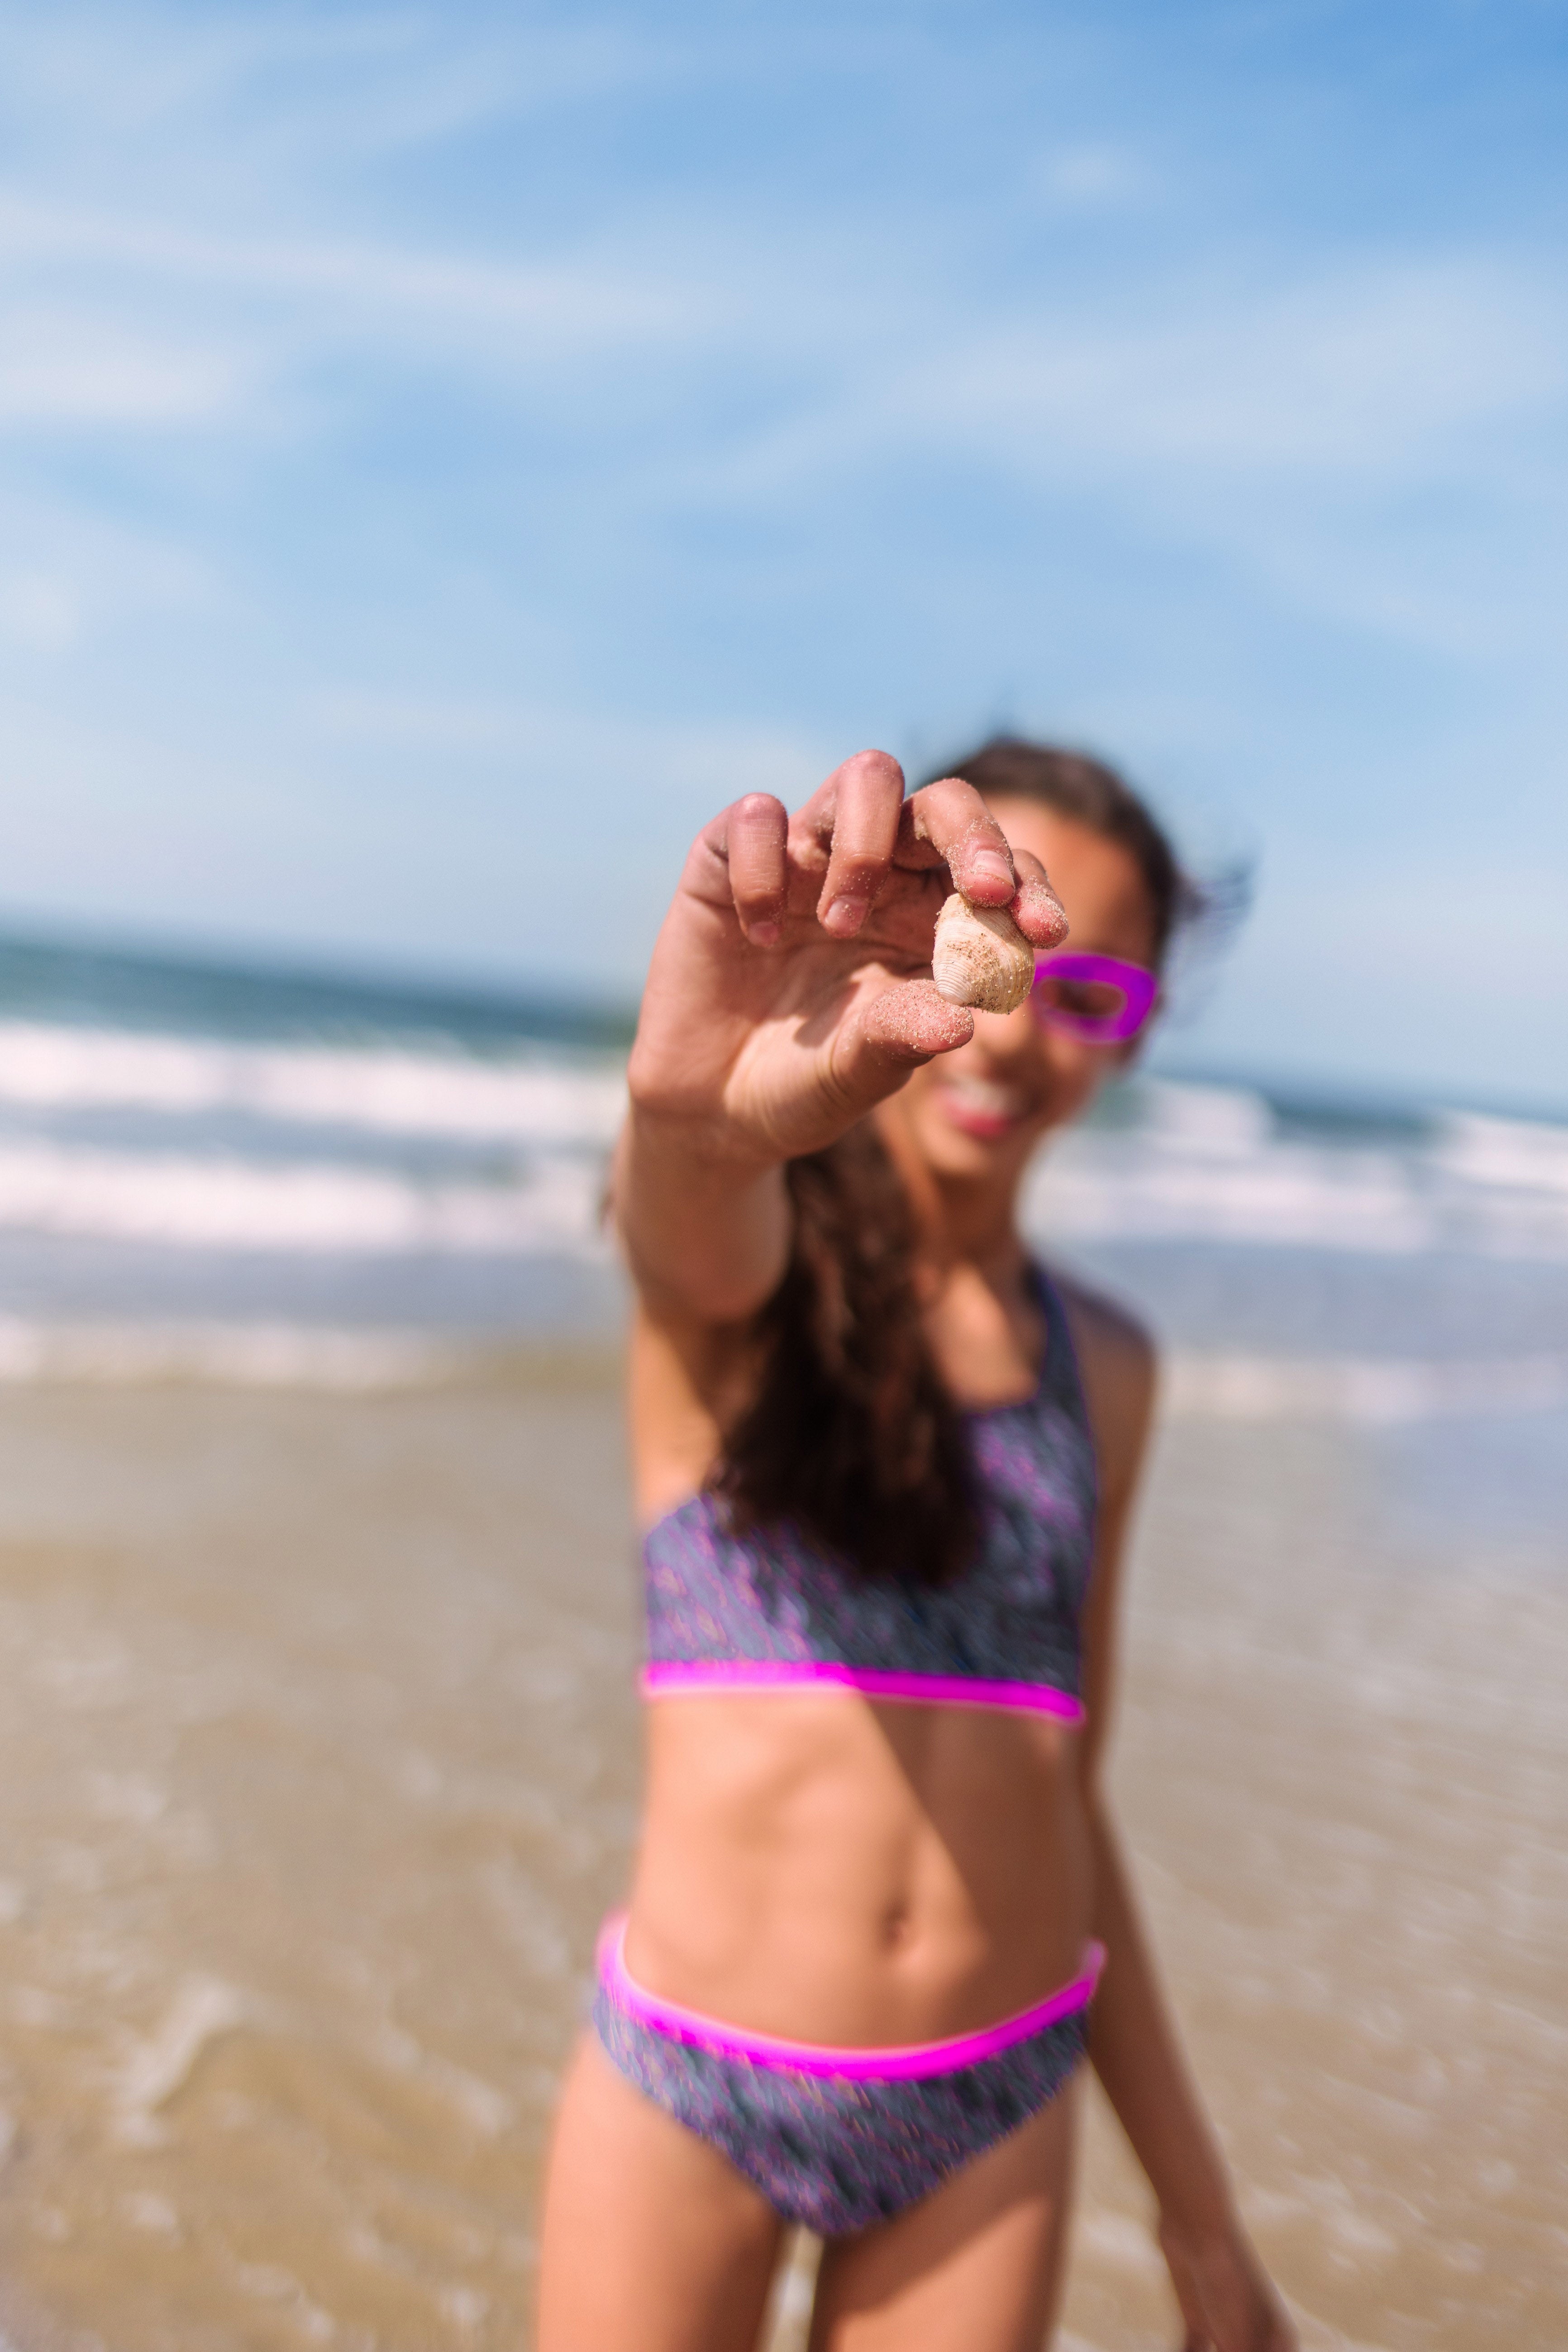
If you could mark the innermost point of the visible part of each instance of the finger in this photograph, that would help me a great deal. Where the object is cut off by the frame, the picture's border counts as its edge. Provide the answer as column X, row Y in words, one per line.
column 895, row 1033
column 950, row 823
column 750, row 837
column 868, row 795
column 1037, row 911
column 853, row 797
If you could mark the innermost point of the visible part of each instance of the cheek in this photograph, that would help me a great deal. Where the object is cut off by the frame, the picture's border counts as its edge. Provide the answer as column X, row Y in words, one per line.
column 1075, row 1074
column 917, row 1091
column 919, row 1107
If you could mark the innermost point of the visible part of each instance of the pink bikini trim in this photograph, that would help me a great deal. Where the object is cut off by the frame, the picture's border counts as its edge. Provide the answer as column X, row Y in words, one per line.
column 857, row 2065
column 678, row 1678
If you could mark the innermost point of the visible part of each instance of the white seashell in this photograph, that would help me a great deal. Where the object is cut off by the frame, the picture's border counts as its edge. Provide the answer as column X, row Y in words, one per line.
column 980, row 957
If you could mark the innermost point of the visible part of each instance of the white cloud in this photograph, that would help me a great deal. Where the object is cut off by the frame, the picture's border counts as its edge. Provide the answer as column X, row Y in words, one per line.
column 126, row 71
column 1373, row 373
column 61, row 367
column 69, row 574
column 566, row 303
column 1288, row 426
column 1373, row 368
column 264, row 80
column 39, row 612
column 1369, row 374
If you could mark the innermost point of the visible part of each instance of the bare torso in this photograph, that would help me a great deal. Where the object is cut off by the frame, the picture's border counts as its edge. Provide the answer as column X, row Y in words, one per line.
column 841, row 1871
column 836, row 1869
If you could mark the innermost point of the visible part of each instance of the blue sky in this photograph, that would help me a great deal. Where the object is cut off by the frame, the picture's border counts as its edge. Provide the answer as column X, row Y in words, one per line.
column 445, row 453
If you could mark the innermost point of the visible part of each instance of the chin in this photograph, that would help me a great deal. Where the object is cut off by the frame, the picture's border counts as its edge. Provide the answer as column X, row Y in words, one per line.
column 946, row 1154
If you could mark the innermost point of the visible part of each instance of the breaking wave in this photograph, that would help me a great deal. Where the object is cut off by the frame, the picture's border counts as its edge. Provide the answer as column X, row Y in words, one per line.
column 380, row 1147
column 1206, row 1163
column 387, row 1090
column 218, row 1201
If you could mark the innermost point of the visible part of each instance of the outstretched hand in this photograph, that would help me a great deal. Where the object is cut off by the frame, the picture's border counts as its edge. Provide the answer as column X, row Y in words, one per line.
column 790, row 988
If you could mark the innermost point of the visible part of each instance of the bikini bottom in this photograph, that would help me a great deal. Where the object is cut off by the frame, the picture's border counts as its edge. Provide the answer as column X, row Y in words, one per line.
column 840, row 2139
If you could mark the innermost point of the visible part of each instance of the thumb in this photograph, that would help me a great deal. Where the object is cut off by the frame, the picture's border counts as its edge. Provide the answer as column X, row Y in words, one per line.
column 889, row 1035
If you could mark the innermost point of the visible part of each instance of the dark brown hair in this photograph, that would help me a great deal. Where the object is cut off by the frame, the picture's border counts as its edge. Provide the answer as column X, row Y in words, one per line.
column 851, row 1434
column 1095, row 796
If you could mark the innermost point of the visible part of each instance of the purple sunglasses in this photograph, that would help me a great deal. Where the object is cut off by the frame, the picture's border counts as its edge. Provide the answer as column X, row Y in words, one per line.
column 1098, row 999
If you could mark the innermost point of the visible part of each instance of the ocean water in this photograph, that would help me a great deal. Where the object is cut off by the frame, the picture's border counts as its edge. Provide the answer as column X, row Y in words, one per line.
column 318, row 1760
column 208, row 1147
column 209, row 1167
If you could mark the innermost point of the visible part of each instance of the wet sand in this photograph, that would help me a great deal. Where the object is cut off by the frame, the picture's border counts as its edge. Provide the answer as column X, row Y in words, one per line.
column 318, row 1766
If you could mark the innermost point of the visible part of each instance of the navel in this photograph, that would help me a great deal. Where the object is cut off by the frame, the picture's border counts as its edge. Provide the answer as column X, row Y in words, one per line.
column 897, row 1928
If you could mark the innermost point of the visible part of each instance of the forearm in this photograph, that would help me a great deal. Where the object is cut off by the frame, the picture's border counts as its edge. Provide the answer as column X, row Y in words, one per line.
column 1136, row 2053
column 705, row 1235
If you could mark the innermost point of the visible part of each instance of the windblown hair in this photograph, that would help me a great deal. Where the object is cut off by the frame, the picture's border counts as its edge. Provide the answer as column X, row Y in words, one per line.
column 851, row 1434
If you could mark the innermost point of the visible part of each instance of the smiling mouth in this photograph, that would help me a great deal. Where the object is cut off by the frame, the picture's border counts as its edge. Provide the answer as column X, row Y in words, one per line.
column 979, row 1108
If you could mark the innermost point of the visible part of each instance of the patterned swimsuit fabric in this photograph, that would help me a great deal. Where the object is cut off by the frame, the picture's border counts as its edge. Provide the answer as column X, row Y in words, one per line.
column 772, row 1598
column 834, row 2153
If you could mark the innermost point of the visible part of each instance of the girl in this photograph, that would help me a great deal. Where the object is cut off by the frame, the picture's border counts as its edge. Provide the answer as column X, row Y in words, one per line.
column 886, row 1464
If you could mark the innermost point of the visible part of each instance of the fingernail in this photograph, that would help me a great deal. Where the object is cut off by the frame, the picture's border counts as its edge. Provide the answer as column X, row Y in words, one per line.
column 1045, row 903
column 845, row 916
column 990, row 865
column 765, row 935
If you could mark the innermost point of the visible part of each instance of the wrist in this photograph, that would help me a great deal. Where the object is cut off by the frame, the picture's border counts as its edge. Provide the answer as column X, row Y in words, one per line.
column 703, row 1145
column 1200, row 2213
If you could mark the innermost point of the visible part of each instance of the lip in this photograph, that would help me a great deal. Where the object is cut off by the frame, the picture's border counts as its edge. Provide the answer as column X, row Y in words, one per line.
column 971, row 1118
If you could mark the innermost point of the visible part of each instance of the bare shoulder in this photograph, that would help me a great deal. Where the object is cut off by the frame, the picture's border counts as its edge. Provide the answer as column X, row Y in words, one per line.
column 1120, row 1368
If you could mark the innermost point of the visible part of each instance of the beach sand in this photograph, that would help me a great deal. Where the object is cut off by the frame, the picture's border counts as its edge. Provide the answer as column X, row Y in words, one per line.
column 319, row 1765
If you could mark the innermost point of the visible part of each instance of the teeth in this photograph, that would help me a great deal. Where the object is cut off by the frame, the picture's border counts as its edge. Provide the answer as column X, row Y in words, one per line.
column 997, row 1102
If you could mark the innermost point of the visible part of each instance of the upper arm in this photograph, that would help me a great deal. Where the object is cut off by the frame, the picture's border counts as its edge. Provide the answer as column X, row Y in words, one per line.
column 1119, row 1369
column 689, row 1381
column 706, row 1246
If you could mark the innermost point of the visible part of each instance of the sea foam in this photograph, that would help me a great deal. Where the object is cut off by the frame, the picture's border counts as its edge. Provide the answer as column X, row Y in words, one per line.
column 386, row 1089
column 1205, row 1163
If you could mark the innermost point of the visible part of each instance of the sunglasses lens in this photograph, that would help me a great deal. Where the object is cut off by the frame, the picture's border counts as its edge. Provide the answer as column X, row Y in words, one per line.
column 1092, row 1008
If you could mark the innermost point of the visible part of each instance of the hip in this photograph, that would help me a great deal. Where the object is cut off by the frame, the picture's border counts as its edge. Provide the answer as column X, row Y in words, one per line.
column 840, row 2138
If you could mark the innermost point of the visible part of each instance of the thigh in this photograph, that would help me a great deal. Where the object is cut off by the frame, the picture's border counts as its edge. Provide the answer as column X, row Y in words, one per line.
column 974, row 2267
column 652, row 2240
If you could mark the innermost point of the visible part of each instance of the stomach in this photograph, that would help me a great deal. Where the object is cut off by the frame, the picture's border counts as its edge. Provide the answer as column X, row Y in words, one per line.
column 835, row 1869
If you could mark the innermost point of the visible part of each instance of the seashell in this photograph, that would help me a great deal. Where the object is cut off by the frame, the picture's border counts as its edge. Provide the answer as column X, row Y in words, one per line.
column 980, row 957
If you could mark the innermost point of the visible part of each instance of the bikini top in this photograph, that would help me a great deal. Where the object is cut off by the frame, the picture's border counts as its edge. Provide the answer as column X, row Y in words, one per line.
column 772, row 1610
